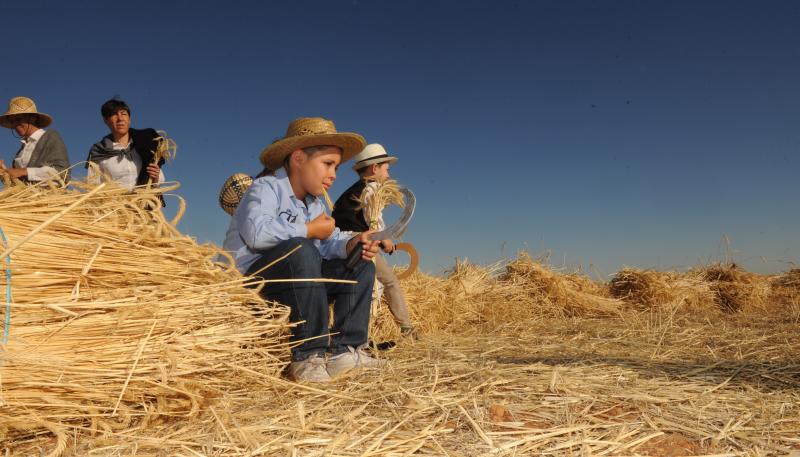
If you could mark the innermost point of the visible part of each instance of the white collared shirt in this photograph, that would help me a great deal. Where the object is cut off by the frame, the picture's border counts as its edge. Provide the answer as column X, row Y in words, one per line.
column 121, row 169
column 24, row 158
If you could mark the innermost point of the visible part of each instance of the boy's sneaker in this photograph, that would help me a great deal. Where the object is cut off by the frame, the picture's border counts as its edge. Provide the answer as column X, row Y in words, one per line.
column 365, row 360
column 354, row 358
column 312, row 369
column 342, row 363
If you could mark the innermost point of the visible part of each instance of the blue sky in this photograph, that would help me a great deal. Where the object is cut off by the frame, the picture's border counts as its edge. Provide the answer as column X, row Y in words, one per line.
column 608, row 133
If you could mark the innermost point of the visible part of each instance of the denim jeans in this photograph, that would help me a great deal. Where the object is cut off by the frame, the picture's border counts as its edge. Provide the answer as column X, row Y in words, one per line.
column 309, row 300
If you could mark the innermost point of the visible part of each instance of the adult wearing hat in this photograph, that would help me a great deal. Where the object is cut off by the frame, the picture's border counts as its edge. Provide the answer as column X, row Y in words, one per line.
column 372, row 165
column 43, row 153
column 279, row 230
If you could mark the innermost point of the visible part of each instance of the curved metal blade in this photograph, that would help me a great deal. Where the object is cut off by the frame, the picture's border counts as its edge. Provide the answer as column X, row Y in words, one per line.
column 397, row 229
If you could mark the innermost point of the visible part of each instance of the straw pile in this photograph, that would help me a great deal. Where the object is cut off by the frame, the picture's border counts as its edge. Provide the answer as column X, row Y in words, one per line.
column 119, row 324
column 503, row 294
column 568, row 294
column 786, row 288
column 649, row 289
column 736, row 289
column 515, row 359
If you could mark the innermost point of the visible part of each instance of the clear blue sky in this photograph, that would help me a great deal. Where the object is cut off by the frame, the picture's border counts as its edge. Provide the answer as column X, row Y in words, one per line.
column 611, row 133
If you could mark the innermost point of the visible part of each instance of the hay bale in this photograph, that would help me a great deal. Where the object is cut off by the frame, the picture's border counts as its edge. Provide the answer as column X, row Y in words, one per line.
column 118, row 321
column 786, row 288
column 557, row 292
column 736, row 289
column 650, row 289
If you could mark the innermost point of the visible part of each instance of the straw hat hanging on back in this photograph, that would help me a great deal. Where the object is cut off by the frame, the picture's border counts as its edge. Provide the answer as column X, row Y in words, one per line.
column 306, row 132
column 24, row 105
column 233, row 190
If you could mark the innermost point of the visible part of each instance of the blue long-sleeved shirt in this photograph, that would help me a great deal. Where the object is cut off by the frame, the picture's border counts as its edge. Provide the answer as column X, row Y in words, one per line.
column 270, row 213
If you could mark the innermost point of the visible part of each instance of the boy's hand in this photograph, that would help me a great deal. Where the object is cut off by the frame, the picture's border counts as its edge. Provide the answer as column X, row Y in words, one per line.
column 388, row 246
column 370, row 247
column 153, row 171
column 321, row 227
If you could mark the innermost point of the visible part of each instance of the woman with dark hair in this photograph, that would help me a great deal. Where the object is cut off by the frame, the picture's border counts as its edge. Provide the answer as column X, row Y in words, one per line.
column 125, row 154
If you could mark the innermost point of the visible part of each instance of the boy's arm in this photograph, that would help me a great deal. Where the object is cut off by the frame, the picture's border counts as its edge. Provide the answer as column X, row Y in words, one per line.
column 257, row 217
column 335, row 246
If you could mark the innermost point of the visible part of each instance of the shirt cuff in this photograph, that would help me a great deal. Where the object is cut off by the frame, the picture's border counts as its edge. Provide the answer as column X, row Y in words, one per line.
column 298, row 231
column 40, row 173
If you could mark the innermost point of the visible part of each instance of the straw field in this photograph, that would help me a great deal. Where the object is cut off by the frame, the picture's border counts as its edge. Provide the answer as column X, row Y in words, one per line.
column 126, row 338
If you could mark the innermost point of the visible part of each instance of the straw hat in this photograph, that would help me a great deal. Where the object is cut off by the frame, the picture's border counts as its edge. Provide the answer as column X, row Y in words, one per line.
column 306, row 132
column 373, row 153
column 24, row 105
column 233, row 190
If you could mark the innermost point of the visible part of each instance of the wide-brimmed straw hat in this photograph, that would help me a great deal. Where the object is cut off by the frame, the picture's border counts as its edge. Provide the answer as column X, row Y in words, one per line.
column 233, row 190
column 373, row 153
column 24, row 105
column 306, row 132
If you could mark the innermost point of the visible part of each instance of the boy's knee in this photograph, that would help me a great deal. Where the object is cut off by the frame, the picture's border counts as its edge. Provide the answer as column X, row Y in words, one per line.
column 367, row 271
column 307, row 254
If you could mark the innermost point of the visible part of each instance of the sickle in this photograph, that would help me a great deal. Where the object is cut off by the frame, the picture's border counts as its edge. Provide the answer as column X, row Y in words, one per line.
column 413, row 263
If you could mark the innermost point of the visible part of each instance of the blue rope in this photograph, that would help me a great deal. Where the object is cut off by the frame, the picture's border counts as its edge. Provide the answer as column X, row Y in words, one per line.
column 7, row 323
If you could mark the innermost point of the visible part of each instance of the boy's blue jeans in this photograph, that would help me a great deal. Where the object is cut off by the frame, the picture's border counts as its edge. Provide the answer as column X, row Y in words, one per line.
column 309, row 300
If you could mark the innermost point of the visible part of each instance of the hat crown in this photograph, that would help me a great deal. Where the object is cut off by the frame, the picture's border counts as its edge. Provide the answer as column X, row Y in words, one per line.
column 370, row 151
column 21, row 105
column 307, row 126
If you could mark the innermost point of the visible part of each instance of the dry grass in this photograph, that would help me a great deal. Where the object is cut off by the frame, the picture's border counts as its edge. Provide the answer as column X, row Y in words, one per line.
column 377, row 196
column 113, row 304
column 117, row 320
column 649, row 289
column 736, row 289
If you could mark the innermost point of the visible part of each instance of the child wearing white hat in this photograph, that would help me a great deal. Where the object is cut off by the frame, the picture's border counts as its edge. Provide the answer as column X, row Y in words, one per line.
column 372, row 164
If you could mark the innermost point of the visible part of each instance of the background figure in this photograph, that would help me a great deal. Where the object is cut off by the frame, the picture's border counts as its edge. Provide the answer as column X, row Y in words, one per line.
column 125, row 154
column 372, row 164
column 43, row 153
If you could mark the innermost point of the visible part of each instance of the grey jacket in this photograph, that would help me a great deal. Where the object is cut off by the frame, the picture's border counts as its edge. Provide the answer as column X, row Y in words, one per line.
column 50, row 151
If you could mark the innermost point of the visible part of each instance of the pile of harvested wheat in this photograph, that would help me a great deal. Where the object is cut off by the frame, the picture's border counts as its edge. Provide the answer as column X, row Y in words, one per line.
column 649, row 289
column 117, row 323
column 125, row 338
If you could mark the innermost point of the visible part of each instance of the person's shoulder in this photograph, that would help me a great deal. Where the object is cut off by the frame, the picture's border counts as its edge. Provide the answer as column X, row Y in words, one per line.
column 144, row 134
column 264, row 183
column 52, row 134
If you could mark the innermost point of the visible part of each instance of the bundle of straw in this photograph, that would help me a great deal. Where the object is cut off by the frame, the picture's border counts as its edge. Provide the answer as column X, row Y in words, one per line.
column 786, row 288
column 650, row 289
column 118, row 322
column 376, row 196
column 558, row 292
column 166, row 150
column 736, row 289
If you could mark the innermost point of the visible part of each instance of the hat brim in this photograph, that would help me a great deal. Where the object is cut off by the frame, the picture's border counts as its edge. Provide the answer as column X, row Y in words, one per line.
column 273, row 155
column 42, row 120
column 359, row 165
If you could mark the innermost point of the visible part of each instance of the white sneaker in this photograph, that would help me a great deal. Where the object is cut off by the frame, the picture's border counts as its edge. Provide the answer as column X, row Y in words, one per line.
column 342, row 363
column 311, row 369
column 365, row 360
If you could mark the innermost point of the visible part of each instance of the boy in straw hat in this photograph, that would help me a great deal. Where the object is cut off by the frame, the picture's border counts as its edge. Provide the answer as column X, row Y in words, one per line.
column 43, row 153
column 282, row 214
column 372, row 164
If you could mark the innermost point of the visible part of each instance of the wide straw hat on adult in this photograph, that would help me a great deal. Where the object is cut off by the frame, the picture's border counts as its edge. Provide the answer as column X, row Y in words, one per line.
column 306, row 132
column 373, row 153
column 23, row 105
